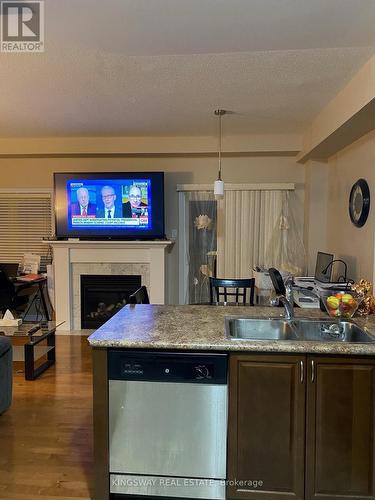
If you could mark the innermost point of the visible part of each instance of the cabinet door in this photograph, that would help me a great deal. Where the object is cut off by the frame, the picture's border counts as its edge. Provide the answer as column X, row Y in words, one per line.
column 266, row 427
column 340, row 429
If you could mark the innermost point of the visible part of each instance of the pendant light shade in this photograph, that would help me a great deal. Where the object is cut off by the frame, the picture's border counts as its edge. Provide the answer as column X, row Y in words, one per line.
column 219, row 189
column 219, row 184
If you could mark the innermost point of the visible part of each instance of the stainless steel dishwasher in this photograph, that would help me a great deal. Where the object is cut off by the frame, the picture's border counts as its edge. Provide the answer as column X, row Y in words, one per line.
column 167, row 424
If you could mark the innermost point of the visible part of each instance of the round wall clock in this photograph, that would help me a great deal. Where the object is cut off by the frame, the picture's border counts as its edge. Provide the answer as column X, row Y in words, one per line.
column 359, row 202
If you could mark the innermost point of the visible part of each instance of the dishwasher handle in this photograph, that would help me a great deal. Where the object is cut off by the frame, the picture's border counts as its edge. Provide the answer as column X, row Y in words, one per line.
column 167, row 367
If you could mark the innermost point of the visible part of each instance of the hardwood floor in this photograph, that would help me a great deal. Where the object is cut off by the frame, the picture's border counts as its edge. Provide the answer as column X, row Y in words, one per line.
column 46, row 435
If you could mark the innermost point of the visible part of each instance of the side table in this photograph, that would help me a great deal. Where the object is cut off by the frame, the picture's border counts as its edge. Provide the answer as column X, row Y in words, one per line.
column 34, row 346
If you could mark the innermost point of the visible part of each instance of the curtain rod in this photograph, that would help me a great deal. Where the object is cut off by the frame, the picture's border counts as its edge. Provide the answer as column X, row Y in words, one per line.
column 240, row 187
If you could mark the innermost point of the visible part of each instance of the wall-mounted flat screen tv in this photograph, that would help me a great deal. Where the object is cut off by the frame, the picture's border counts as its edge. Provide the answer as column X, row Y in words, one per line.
column 128, row 205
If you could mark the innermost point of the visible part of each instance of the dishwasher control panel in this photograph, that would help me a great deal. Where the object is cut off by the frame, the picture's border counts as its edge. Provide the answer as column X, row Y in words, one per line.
column 167, row 367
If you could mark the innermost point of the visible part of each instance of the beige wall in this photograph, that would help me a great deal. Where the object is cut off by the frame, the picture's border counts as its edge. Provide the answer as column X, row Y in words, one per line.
column 38, row 172
column 347, row 117
column 315, row 225
column 354, row 245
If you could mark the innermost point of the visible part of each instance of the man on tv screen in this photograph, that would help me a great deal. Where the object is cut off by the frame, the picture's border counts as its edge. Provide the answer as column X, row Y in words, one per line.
column 109, row 210
column 135, row 207
column 83, row 207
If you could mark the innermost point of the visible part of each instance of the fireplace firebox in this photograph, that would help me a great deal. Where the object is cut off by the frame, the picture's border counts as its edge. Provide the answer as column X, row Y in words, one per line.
column 102, row 296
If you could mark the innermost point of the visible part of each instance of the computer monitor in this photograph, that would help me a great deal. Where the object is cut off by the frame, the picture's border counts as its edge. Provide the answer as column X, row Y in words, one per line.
column 10, row 269
column 322, row 261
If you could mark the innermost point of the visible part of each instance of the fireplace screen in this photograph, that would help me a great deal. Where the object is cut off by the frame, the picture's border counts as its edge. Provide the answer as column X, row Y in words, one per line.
column 102, row 296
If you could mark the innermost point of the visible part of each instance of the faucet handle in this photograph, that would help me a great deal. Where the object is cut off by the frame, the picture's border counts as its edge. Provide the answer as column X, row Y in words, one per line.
column 289, row 280
column 289, row 289
column 273, row 299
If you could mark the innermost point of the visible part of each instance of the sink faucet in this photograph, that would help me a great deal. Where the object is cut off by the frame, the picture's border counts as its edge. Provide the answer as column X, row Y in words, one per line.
column 288, row 306
column 287, row 299
column 289, row 296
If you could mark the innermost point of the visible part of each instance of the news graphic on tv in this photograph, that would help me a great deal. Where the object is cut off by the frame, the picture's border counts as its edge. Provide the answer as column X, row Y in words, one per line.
column 109, row 205
column 115, row 204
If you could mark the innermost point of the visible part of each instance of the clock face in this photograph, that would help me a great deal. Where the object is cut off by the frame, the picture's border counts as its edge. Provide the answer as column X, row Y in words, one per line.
column 359, row 203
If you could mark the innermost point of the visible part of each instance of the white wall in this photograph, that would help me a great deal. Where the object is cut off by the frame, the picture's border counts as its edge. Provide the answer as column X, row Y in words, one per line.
column 316, row 199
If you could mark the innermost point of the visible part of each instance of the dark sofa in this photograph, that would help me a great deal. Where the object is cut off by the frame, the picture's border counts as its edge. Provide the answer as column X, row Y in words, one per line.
column 5, row 373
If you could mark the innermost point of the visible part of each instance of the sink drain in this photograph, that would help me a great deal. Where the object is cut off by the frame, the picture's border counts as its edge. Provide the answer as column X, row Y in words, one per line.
column 333, row 330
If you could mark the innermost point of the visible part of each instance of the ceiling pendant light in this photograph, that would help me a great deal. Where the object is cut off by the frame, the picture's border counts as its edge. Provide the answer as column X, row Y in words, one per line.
column 219, row 184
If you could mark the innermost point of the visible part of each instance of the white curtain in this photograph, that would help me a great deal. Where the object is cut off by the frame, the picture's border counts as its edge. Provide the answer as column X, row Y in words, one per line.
column 249, row 219
column 285, row 249
column 249, row 227
column 200, row 244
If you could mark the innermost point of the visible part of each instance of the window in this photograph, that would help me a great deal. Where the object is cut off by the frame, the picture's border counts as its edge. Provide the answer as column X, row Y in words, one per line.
column 252, row 226
column 25, row 219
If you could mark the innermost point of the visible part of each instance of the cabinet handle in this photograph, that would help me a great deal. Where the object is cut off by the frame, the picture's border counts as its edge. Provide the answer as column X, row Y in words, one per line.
column 313, row 371
column 301, row 367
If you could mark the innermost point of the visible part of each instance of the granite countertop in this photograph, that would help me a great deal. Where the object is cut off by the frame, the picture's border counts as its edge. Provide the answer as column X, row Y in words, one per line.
column 202, row 328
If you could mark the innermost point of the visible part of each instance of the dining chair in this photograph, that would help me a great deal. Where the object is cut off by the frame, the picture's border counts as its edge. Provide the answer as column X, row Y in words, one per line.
column 140, row 296
column 219, row 288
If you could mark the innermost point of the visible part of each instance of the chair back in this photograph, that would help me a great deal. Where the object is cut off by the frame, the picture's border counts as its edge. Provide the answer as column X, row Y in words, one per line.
column 140, row 296
column 10, row 269
column 219, row 288
column 7, row 291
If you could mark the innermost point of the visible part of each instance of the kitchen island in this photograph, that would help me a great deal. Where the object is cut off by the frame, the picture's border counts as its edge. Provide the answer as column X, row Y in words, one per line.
column 301, row 413
column 202, row 328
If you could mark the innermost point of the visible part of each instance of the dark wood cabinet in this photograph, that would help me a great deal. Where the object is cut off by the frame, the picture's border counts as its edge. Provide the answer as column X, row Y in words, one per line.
column 340, row 429
column 266, row 427
column 301, row 427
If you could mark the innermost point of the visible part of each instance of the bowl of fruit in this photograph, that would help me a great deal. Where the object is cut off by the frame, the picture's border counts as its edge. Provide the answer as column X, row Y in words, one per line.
column 341, row 304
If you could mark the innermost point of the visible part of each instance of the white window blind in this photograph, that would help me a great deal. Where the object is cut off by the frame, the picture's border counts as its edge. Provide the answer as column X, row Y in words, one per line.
column 25, row 219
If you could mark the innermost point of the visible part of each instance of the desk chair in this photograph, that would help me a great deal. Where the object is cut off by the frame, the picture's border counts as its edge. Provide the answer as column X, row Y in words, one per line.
column 140, row 296
column 11, row 296
column 10, row 269
column 239, row 284
column 21, row 296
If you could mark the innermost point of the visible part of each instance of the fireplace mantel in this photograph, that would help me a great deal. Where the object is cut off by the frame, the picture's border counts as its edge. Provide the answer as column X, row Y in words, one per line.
column 68, row 253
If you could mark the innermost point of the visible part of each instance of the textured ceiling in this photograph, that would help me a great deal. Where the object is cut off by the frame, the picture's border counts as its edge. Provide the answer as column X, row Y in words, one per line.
column 160, row 67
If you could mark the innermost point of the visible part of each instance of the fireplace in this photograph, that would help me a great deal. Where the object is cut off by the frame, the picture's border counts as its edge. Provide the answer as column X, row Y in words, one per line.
column 74, row 258
column 103, row 295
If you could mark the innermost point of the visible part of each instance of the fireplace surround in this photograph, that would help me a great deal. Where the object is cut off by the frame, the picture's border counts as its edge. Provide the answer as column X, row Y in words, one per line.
column 72, row 258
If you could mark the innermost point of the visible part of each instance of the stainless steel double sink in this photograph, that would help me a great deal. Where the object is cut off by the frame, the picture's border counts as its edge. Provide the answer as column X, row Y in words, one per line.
column 297, row 329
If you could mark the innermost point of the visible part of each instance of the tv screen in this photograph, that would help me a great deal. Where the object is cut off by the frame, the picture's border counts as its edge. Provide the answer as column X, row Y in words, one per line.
column 109, row 205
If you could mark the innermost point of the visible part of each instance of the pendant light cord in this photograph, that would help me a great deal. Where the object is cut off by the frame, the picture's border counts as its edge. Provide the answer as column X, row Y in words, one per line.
column 220, row 113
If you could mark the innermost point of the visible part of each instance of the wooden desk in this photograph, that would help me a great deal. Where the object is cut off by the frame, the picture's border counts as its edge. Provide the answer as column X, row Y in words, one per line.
column 41, row 284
